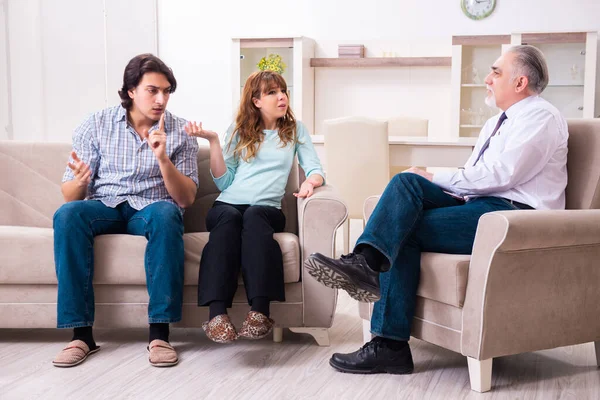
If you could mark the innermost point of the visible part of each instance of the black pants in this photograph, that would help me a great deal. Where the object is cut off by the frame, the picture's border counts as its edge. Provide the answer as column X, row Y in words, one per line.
column 241, row 236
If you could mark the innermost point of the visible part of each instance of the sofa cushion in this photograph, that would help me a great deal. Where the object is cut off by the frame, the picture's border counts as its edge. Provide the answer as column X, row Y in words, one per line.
column 27, row 256
column 444, row 277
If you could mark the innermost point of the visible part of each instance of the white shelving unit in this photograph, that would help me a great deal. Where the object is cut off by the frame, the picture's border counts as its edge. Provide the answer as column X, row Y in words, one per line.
column 472, row 57
column 296, row 53
column 572, row 58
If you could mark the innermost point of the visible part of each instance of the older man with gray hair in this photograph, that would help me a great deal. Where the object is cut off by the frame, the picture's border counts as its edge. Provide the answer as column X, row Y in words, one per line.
column 519, row 163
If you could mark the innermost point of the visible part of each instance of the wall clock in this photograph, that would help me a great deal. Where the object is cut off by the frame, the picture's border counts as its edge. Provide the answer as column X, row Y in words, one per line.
column 478, row 9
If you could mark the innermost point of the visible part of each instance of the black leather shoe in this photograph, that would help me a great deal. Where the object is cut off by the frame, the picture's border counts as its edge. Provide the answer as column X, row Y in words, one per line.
column 350, row 273
column 375, row 357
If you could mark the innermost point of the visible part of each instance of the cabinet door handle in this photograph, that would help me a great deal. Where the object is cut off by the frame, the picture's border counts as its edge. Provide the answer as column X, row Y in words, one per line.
column 580, row 108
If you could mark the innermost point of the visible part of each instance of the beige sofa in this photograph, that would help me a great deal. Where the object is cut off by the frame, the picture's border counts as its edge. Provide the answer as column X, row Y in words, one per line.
column 30, row 194
column 532, row 282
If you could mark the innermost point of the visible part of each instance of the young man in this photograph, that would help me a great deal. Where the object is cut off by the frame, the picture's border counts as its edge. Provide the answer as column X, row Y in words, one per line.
column 519, row 162
column 132, row 170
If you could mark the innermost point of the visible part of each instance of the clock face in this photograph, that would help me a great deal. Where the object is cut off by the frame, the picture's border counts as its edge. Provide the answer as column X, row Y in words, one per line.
column 478, row 9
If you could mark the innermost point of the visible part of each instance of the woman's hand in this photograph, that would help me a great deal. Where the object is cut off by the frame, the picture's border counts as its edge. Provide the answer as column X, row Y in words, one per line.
column 195, row 129
column 306, row 190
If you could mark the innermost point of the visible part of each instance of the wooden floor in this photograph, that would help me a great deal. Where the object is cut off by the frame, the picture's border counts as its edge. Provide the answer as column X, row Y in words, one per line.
column 294, row 369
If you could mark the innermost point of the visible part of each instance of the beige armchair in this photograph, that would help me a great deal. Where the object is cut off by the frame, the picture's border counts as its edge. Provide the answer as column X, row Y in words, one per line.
column 532, row 282
column 358, row 162
column 30, row 194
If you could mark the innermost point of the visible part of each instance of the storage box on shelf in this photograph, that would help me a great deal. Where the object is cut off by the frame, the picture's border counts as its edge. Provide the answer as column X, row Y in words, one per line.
column 351, row 51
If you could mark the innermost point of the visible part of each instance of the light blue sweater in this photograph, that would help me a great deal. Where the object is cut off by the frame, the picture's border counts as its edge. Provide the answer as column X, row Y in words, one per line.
column 262, row 180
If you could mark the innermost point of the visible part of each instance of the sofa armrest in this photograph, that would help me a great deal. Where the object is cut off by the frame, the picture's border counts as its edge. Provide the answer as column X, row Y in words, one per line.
column 319, row 216
column 533, row 282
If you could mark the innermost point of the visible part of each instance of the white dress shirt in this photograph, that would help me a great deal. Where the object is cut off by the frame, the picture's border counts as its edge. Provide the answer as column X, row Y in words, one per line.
column 526, row 160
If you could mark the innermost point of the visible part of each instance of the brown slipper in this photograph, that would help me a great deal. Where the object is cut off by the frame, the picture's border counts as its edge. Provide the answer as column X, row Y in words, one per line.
column 220, row 329
column 162, row 354
column 74, row 354
column 256, row 326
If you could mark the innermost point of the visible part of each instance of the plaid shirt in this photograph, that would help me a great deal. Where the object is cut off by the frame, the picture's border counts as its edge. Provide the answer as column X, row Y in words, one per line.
column 124, row 168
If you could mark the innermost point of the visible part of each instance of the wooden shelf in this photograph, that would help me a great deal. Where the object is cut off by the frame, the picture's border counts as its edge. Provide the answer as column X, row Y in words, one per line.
column 374, row 62
column 480, row 40
column 565, row 85
column 266, row 42
column 559, row 37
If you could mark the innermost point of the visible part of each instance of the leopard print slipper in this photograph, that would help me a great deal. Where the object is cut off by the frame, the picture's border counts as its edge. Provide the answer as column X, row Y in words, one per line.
column 256, row 326
column 220, row 329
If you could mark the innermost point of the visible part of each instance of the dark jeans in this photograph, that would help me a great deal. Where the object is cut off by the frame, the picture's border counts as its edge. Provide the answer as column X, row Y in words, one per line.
column 77, row 223
column 241, row 237
column 414, row 215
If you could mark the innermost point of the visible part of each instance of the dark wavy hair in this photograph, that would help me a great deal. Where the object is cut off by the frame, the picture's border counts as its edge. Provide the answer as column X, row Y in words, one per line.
column 135, row 70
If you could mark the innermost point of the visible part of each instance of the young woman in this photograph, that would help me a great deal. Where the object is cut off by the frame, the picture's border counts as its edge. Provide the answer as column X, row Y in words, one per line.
column 252, row 172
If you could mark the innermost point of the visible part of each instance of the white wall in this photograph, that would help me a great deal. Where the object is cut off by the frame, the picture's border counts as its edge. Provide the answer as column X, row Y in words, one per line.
column 5, row 114
column 194, row 39
column 67, row 57
column 66, row 60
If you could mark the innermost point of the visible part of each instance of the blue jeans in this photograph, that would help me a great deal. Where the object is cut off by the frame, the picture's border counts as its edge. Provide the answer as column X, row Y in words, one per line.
column 77, row 223
column 412, row 216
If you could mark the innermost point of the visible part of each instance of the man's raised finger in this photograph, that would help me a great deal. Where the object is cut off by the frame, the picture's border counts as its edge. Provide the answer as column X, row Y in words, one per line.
column 161, row 123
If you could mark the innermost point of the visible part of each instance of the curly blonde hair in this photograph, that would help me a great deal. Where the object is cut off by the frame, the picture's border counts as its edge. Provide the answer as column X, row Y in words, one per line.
column 249, row 124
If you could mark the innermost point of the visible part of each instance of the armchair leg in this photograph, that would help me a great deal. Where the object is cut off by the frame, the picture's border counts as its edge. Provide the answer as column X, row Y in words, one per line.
column 321, row 335
column 367, row 336
column 597, row 345
column 346, row 226
column 277, row 334
column 480, row 374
